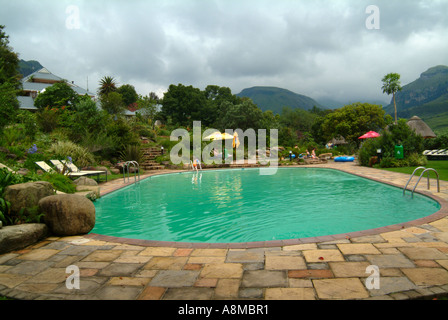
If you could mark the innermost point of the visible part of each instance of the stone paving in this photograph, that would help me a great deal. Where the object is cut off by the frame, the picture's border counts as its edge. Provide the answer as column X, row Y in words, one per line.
column 412, row 264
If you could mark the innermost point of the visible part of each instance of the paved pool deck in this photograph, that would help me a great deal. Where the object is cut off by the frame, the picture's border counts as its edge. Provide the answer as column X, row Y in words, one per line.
column 411, row 258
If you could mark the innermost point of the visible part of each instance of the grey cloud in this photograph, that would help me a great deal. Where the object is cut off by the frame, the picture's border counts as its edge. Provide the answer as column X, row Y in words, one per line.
column 318, row 47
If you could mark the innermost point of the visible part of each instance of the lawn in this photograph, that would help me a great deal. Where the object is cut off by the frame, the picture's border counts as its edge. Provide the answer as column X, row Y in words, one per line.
column 440, row 165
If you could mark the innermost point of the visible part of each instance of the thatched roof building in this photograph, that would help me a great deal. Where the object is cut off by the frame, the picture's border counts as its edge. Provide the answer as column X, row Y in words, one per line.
column 420, row 127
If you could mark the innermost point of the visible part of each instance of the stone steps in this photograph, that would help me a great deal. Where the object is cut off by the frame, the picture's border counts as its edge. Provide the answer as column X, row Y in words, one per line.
column 148, row 162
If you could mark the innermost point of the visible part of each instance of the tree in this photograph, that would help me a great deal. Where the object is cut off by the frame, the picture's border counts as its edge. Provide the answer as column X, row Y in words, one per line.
column 88, row 119
column 128, row 93
column 113, row 103
column 107, row 85
column 183, row 104
column 58, row 95
column 9, row 62
column 391, row 85
column 353, row 121
column 147, row 108
column 245, row 115
column 9, row 80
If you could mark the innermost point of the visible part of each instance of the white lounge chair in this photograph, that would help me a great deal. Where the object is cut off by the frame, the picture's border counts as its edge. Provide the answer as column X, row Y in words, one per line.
column 44, row 166
column 74, row 169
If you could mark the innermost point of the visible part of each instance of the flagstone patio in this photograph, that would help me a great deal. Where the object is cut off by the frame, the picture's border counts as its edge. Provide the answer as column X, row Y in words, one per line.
column 412, row 260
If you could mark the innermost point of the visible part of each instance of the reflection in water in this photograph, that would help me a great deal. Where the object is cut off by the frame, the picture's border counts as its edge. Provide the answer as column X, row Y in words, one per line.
column 132, row 197
column 196, row 178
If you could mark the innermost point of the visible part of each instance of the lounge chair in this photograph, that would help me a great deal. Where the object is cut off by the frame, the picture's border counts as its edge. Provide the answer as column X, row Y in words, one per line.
column 44, row 166
column 74, row 169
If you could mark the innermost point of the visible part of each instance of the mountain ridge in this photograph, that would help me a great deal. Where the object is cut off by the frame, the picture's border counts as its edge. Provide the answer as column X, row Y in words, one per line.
column 425, row 97
column 274, row 99
column 28, row 67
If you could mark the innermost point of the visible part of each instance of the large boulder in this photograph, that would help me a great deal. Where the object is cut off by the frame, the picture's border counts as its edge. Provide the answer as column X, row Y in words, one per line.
column 27, row 195
column 20, row 236
column 68, row 214
column 84, row 181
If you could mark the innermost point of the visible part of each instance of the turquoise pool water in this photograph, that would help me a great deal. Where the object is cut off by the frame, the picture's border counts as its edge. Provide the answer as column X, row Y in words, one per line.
column 243, row 206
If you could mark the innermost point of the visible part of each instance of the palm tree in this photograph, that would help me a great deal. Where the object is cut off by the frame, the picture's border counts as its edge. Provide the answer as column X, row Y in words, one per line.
column 391, row 85
column 107, row 85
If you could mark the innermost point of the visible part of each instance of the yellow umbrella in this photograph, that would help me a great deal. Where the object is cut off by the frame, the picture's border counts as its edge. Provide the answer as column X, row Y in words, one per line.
column 236, row 141
column 219, row 136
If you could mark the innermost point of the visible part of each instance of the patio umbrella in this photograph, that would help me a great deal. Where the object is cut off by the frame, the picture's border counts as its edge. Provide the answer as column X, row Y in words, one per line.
column 236, row 141
column 219, row 136
column 370, row 134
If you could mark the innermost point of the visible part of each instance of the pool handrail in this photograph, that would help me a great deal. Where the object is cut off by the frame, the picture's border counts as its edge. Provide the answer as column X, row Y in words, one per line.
column 429, row 169
column 412, row 175
column 126, row 169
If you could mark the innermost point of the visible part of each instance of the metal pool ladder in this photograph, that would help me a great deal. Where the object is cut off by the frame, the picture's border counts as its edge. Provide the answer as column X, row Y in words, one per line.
column 126, row 170
column 421, row 175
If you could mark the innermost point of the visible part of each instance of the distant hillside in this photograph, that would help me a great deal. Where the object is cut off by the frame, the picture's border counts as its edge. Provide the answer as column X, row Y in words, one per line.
column 426, row 97
column 274, row 99
column 28, row 67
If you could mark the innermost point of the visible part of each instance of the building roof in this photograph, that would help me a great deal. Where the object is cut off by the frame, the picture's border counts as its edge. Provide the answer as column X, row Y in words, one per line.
column 26, row 103
column 31, row 83
column 43, row 74
column 420, row 127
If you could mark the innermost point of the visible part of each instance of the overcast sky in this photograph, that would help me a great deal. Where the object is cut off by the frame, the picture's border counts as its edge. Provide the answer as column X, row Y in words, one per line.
column 319, row 48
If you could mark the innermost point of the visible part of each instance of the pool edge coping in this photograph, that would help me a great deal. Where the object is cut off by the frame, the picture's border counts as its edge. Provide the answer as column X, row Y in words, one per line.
column 440, row 214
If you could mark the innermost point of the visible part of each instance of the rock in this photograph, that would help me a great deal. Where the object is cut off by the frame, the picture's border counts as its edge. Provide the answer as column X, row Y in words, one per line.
column 101, row 168
column 27, row 195
column 115, row 171
column 3, row 166
column 23, row 171
column 68, row 214
column 84, row 181
column 106, row 163
column 20, row 236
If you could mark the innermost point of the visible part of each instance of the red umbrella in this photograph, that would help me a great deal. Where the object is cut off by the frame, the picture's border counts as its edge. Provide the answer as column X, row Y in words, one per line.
column 370, row 134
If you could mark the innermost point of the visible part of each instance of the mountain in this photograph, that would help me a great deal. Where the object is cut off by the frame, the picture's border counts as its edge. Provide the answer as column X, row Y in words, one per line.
column 28, row 67
column 274, row 99
column 426, row 97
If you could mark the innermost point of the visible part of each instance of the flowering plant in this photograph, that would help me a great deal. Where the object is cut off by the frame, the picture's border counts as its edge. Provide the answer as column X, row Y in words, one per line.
column 33, row 149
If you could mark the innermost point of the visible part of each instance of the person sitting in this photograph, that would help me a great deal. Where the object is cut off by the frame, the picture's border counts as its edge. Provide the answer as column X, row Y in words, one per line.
column 313, row 154
column 195, row 164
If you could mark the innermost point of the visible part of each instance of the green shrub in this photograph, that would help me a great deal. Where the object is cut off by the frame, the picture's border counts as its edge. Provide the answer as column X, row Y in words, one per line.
column 48, row 119
column 417, row 160
column 28, row 119
column 80, row 156
column 60, row 182
column 399, row 134
column 131, row 153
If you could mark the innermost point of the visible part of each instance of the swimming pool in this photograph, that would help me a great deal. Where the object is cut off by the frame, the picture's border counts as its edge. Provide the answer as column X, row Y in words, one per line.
column 240, row 205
